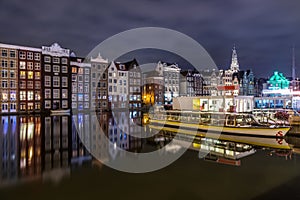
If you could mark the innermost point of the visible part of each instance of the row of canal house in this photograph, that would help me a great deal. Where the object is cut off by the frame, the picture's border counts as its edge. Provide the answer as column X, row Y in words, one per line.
column 34, row 79
column 38, row 80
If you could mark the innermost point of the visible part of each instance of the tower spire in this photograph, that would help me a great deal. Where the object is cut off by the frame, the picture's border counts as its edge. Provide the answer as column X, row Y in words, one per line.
column 293, row 64
column 234, row 60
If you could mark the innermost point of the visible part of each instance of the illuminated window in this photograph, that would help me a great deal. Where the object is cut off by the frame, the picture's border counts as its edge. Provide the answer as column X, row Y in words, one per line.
column 4, row 95
column 4, row 84
column 13, row 95
column 4, row 53
column 22, row 65
column 22, row 54
column 74, row 70
column 80, row 97
column 30, row 75
column 37, row 106
column 12, row 53
column 30, row 95
column 30, row 84
column 13, row 106
column 80, row 70
column 56, row 82
column 74, row 87
column 30, row 56
column 47, row 59
column 56, row 68
column 47, row 68
column 55, row 60
column 4, row 74
column 37, row 56
column 74, row 97
column 64, row 81
column 86, row 87
column 23, row 84
column 80, row 78
column 4, row 107
column 64, row 93
column 74, row 77
column 22, row 95
column 37, row 75
column 47, row 93
column 47, row 81
column 12, row 64
column 30, row 66
column 64, row 61
column 37, row 95
column 48, row 104
column 80, row 87
column 12, row 84
column 37, row 85
column 12, row 74
column 86, row 78
column 23, row 107
column 22, row 74
column 64, row 104
column 4, row 63
column 37, row 66
column 56, row 94
column 64, row 69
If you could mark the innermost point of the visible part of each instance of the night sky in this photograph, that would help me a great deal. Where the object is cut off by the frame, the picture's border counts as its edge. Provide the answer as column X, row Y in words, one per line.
column 263, row 31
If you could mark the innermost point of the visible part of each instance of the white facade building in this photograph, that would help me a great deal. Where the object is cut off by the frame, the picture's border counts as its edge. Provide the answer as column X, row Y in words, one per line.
column 171, row 73
column 99, row 83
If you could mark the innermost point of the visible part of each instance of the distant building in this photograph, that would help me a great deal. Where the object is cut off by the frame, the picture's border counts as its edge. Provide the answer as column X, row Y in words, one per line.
column 57, row 78
column 81, row 84
column 275, row 93
column 30, row 76
column 153, row 87
column 124, row 85
column 277, row 85
column 191, row 83
column 9, row 93
column 211, row 81
column 260, row 84
column 134, row 84
column 99, row 83
column 171, row 73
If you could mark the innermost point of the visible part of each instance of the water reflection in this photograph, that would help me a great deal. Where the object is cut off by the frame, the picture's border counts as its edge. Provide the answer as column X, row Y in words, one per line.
column 39, row 147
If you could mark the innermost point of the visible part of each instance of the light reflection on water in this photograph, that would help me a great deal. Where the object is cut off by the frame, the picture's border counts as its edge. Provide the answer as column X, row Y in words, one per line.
column 49, row 148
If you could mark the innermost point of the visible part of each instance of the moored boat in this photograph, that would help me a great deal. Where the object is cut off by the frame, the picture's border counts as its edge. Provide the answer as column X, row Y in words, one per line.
column 217, row 122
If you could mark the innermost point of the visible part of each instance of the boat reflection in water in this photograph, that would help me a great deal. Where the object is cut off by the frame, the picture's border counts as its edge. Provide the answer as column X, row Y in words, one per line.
column 224, row 149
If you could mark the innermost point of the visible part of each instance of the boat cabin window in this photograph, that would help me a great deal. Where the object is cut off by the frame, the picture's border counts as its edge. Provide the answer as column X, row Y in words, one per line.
column 205, row 118
column 241, row 120
column 230, row 120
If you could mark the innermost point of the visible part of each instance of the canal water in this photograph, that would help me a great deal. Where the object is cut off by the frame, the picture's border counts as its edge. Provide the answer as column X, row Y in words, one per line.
column 52, row 157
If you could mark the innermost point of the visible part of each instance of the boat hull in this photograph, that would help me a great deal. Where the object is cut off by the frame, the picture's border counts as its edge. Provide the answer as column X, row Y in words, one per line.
column 247, row 131
column 271, row 142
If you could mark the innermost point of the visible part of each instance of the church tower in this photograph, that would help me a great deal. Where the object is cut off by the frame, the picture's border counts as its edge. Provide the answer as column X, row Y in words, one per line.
column 293, row 64
column 234, row 61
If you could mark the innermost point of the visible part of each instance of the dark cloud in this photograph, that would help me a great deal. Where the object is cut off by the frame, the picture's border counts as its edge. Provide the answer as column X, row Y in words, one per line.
column 263, row 31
